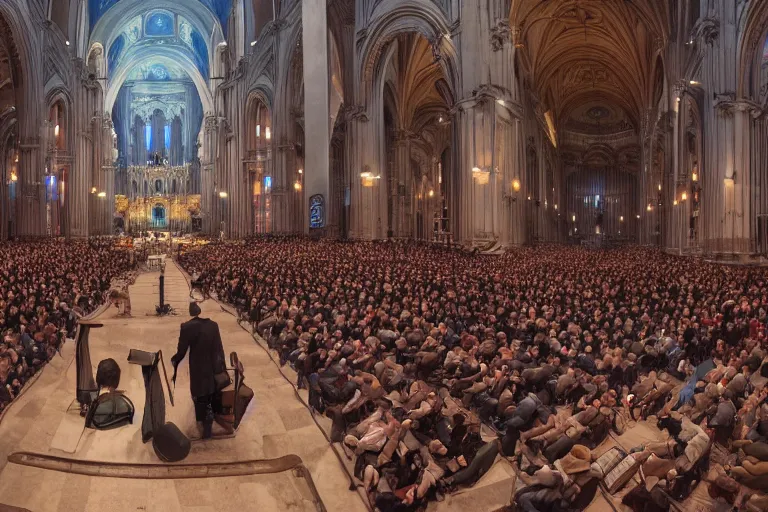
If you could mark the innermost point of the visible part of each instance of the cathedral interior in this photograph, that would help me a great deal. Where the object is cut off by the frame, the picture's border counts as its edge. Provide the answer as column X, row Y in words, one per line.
column 487, row 255
column 491, row 125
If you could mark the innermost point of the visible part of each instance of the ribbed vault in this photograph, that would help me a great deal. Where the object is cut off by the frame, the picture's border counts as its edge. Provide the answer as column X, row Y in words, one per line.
column 416, row 74
column 586, row 50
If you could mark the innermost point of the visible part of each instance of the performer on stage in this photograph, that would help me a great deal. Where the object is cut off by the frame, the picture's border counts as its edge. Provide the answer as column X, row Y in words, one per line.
column 207, row 366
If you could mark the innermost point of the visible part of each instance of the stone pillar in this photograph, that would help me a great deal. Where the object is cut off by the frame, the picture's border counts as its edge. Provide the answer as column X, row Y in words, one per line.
column 353, row 142
column 210, row 140
column 316, row 110
column 726, row 179
column 399, row 183
column 30, row 198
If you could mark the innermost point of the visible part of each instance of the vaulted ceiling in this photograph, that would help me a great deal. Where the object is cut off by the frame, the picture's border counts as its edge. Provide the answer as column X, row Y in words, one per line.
column 581, row 55
column 416, row 75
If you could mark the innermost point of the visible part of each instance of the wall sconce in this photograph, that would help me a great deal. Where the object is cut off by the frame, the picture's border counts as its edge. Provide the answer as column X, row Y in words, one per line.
column 516, row 185
column 555, row 207
column 267, row 133
column 573, row 218
column 529, row 198
column 694, row 176
column 638, row 215
column 223, row 194
column 684, row 196
column 648, row 208
column 621, row 218
column 659, row 187
column 301, row 171
column 674, row 202
column 431, row 193
column 93, row 190
column 102, row 194
column 56, row 131
column 297, row 186
column 14, row 178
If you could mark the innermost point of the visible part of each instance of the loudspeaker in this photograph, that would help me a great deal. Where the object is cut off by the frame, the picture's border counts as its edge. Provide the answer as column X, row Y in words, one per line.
column 197, row 224
column 170, row 443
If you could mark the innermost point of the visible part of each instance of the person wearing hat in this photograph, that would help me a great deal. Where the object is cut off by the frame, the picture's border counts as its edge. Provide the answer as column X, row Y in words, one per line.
column 207, row 366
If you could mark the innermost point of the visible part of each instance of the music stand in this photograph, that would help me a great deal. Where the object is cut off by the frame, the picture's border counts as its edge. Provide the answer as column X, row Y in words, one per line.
column 154, row 404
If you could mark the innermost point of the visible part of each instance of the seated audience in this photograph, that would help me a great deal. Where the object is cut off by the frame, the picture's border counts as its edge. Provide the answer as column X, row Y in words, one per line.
column 44, row 286
column 415, row 349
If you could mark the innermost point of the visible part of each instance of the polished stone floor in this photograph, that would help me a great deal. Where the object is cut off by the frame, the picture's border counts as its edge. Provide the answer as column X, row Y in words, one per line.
column 44, row 420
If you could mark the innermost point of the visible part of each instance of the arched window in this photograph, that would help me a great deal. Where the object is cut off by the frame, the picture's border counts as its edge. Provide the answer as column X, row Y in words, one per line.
column 58, row 125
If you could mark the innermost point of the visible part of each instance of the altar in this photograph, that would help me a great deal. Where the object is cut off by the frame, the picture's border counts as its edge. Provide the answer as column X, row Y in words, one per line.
column 159, row 199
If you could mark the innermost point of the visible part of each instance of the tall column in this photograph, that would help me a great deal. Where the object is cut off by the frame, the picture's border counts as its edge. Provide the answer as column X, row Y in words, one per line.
column 726, row 180
column 399, row 185
column 31, row 199
column 317, row 128
column 210, row 138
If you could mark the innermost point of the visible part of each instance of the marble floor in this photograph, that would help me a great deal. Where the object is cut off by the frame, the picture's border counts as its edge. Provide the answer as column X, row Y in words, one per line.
column 44, row 420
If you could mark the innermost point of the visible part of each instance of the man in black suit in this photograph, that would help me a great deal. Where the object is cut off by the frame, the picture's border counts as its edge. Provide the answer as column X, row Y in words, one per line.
column 206, row 360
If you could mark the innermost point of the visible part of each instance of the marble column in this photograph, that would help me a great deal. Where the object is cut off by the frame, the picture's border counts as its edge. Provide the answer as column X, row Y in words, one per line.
column 316, row 109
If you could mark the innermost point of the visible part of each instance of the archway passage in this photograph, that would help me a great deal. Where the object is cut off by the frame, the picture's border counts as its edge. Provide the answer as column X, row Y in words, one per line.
column 595, row 71
column 10, row 82
column 416, row 128
column 157, row 67
column 258, row 163
column 159, row 220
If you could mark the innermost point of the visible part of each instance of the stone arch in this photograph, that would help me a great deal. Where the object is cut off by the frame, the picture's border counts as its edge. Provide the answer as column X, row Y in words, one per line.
column 397, row 17
column 194, row 11
column 258, row 117
column 15, row 29
column 61, row 96
column 753, row 37
column 164, row 55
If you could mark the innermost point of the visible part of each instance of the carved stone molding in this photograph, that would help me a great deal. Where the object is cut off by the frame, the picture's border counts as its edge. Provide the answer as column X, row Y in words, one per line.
column 707, row 29
column 500, row 34
column 726, row 105
column 211, row 123
column 353, row 113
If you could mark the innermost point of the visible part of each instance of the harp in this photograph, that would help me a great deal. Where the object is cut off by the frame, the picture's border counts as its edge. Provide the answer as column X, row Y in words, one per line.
column 86, row 384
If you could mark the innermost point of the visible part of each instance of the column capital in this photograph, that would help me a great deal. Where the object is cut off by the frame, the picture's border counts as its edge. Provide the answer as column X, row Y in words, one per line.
column 727, row 105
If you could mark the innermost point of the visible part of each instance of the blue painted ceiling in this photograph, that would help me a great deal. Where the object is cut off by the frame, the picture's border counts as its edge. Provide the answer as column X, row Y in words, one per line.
column 160, row 27
column 219, row 8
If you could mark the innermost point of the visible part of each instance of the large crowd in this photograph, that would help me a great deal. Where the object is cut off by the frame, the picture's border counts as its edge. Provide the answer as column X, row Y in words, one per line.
column 44, row 287
column 413, row 350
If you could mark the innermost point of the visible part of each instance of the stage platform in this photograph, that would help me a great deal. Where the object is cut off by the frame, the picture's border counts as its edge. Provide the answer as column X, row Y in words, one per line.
column 45, row 421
